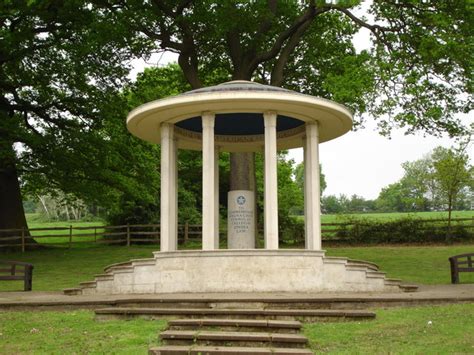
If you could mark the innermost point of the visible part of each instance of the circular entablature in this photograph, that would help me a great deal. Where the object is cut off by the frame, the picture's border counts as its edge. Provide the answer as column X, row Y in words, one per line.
column 239, row 124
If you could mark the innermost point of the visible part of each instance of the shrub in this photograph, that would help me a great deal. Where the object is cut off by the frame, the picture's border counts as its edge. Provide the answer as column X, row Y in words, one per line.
column 407, row 230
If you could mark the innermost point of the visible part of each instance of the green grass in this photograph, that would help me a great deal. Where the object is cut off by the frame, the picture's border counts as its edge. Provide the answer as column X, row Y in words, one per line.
column 395, row 330
column 399, row 331
column 74, row 332
column 419, row 264
column 58, row 268
column 34, row 220
column 335, row 218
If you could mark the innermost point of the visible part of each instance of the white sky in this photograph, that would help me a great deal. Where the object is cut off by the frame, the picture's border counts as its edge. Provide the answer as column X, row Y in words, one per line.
column 360, row 162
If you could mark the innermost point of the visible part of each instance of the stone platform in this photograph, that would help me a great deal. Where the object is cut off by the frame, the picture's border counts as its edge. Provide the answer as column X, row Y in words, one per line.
column 426, row 295
column 230, row 271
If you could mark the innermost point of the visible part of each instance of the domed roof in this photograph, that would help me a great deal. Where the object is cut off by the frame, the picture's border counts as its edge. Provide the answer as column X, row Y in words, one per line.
column 239, row 107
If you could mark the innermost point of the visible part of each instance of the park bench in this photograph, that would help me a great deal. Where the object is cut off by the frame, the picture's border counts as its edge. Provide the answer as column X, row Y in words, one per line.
column 461, row 263
column 16, row 270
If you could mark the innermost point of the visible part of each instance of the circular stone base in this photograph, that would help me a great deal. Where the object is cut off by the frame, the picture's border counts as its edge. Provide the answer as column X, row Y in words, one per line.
column 237, row 271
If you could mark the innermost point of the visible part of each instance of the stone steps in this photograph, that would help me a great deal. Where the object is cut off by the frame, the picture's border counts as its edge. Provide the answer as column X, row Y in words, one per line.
column 204, row 350
column 255, row 325
column 213, row 336
column 307, row 315
column 227, row 338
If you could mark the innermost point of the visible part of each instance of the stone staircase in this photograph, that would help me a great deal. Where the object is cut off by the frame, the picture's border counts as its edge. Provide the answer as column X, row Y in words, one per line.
column 133, row 277
column 230, row 326
column 231, row 336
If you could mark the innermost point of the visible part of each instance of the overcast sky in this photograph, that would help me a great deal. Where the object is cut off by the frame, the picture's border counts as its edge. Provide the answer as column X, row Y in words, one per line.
column 360, row 162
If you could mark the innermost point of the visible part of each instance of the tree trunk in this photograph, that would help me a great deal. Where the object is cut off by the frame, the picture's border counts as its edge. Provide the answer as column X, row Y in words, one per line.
column 12, row 214
column 450, row 208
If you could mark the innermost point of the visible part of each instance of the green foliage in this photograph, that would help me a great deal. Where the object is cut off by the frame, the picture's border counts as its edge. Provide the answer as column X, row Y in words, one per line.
column 343, row 204
column 443, row 179
column 407, row 230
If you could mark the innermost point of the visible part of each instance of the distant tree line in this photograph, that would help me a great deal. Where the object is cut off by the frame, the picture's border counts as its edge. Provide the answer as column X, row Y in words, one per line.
column 443, row 180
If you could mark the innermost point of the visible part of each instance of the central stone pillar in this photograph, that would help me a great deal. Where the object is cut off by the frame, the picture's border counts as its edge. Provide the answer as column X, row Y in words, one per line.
column 241, row 219
column 271, row 184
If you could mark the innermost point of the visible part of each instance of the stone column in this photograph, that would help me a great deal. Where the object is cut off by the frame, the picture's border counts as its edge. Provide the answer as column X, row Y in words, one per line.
column 307, row 181
column 216, row 198
column 208, row 186
column 168, row 214
column 312, row 188
column 271, row 184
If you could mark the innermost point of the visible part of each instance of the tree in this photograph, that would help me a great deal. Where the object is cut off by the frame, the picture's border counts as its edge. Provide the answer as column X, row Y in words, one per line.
column 299, row 178
column 391, row 199
column 59, row 63
column 452, row 173
column 416, row 71
column 62, row 61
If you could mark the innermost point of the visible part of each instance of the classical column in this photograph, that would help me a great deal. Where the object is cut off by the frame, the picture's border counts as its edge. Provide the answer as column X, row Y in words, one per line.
column 168, row 215
column 208, row 186
column 312, row 188
column 271, row 185
column 216, row 197
column 174, row 188
column 307, row 182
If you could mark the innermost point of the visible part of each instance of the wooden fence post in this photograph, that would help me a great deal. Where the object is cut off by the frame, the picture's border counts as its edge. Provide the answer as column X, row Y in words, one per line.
column 70, row 236
column 157, row 240
column 23, row 239
column 128, row 235
column 186, row 231
column 95, row 234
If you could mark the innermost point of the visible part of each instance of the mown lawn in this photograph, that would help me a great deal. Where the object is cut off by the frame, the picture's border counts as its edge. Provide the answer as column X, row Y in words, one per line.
column 74, row 332
column 335, row 218
column 35, row 221
column 58, row 268
column 421, row 330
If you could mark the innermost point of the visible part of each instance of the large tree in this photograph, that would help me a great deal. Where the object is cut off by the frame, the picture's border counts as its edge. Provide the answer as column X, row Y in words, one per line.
column 415, row 75
column 60, row 61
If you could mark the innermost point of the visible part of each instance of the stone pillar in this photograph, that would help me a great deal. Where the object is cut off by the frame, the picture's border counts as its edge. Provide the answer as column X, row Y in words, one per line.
column 270, row 182
column 241, row 219
column 307, row 179
column 208, row 186
column 312, row 188
column 169, row 190
column 216, row 198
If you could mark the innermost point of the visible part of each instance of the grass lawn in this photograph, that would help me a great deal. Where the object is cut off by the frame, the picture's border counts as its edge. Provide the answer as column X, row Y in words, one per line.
column 399, row 331
column 395, row 330
column 335, row 218
column 58, row 268
column 74, row 332
column 34, row 220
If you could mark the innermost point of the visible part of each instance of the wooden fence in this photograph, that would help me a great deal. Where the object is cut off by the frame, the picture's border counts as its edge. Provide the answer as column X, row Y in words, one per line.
column 129, row 234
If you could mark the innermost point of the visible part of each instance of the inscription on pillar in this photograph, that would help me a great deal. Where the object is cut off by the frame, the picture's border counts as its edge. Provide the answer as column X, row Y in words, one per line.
column 241, row 219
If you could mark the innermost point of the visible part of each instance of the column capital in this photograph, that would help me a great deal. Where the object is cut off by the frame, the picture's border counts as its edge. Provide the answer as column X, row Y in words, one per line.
column 270, row 118
column 167, row 130
column 208, row 119
column 312, row 129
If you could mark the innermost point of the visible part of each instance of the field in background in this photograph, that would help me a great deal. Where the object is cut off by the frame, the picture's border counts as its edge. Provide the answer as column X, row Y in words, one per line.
column 35, row 221
column 333, row 218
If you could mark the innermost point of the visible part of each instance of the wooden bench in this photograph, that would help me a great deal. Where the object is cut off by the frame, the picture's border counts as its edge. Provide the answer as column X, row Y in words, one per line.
column 17, row 270
column 461, row 263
